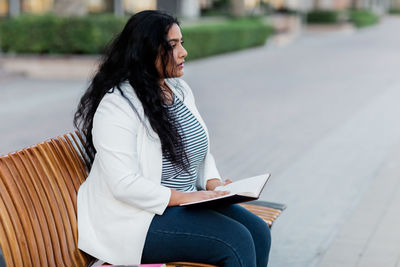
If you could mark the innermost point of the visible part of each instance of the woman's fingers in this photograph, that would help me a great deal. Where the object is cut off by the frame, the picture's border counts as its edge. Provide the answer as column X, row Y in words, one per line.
column 227, row 181
column 221, row 193
column 201, row 195
column 213, row 183
column 212, row 194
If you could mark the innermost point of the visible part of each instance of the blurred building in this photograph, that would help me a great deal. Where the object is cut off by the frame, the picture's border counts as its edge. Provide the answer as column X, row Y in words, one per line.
column 72, row 6
column 378, row 6
column 307, row 5
column 129, row 6
column 181, row 8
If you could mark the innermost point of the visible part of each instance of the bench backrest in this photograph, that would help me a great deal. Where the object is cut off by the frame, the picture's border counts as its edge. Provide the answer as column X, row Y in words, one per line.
column 38, row 187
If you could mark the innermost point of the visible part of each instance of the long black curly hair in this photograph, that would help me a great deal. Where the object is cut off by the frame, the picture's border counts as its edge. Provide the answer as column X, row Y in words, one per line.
column 132, row 57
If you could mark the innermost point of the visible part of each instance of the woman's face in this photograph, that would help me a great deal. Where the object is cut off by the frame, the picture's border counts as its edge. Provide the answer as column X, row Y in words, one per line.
column 174, row 67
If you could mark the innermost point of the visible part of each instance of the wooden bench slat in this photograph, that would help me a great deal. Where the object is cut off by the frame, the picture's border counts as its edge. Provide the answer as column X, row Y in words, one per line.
column 64, row 171
column 7, row 251
column 49, row 176
column 41, row 206
column 64, row 168
column 13, row 226
column 75, row 140
column 28, row 212
column 78, row 162
column 76, row 169
column 37, row 214
column 261, row 208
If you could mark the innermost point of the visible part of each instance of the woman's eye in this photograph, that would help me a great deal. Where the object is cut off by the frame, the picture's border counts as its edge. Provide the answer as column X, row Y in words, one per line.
column 182, row 42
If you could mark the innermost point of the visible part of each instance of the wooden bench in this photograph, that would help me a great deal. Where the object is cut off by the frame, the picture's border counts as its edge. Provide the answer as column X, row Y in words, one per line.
column 38, row 187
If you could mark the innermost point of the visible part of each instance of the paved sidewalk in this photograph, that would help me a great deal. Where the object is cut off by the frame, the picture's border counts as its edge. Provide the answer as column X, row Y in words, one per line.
column 371, row 237
column 48, row 67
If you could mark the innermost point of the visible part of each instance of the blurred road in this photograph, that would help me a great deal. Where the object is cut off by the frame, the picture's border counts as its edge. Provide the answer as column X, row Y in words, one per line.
column 320, row 114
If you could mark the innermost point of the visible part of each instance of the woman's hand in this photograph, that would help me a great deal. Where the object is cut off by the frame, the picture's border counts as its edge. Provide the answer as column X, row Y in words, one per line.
column 178, row 197
column 213, row 183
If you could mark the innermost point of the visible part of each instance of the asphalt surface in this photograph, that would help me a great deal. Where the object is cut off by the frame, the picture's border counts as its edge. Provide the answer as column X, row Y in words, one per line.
column 320, row 114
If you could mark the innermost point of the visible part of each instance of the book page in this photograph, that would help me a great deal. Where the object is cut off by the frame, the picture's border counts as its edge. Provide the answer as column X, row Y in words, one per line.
column 240, row 191
column 250, row 186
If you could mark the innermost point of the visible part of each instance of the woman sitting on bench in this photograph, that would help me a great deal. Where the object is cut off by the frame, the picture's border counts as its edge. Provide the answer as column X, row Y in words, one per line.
column 151, row 153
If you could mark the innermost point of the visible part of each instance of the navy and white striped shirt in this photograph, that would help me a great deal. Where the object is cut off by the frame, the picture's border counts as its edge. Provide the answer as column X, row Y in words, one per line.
column 195, row 145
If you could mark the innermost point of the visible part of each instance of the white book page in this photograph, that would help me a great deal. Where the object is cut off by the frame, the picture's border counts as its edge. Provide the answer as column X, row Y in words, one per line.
column 249, row 187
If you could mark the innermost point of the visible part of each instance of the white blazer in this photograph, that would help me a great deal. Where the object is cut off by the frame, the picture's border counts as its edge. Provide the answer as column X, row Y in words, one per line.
column 122, row 193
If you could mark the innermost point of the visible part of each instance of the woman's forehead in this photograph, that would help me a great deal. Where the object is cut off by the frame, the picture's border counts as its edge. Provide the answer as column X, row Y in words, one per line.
column 174, row 33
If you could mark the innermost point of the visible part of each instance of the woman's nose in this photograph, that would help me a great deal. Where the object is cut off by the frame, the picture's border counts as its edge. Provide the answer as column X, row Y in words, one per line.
column 183, row 52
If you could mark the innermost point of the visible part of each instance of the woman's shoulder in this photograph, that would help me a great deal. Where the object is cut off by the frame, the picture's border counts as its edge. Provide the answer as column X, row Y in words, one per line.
column 122, row 92
column 180, row 87
column 119, row 100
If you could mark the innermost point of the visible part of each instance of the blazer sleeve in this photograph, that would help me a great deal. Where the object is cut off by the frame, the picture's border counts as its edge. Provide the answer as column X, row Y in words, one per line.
column 210, row 170
column 114, row 133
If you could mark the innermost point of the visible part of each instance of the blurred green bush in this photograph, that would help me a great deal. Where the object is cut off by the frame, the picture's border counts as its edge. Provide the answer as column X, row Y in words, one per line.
column 52, row 34
column 394, row 11
column 206, row 40
column 363, row 18
column 49, row 34
column 324, row 17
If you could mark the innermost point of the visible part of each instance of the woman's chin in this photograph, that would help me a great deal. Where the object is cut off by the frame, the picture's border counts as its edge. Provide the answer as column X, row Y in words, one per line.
column 179, row 73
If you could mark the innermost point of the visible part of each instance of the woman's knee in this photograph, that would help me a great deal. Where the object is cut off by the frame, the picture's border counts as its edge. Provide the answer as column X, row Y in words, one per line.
column 263, row 232
column 256, row 225
column 238, row 248
column 262, row 241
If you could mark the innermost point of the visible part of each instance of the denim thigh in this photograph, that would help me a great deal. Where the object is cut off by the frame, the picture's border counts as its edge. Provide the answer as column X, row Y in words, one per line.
column 257, row 227
column 199, row 235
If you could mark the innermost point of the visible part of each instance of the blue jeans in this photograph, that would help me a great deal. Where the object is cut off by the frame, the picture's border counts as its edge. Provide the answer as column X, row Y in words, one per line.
column 227, row 235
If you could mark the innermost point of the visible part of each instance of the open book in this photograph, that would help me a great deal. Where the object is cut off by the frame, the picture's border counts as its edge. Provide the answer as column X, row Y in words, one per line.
column 240, row 191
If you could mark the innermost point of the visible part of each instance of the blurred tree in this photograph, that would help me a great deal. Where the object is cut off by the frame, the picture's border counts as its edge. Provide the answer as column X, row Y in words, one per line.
column 15, row 8
column 221, row 4
column 180, row 8
column 355, row 4
column 238, row 8
column 316, row 4
column 119, row 8
column 108, row 6
column 170, row 6
column 70, row 7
